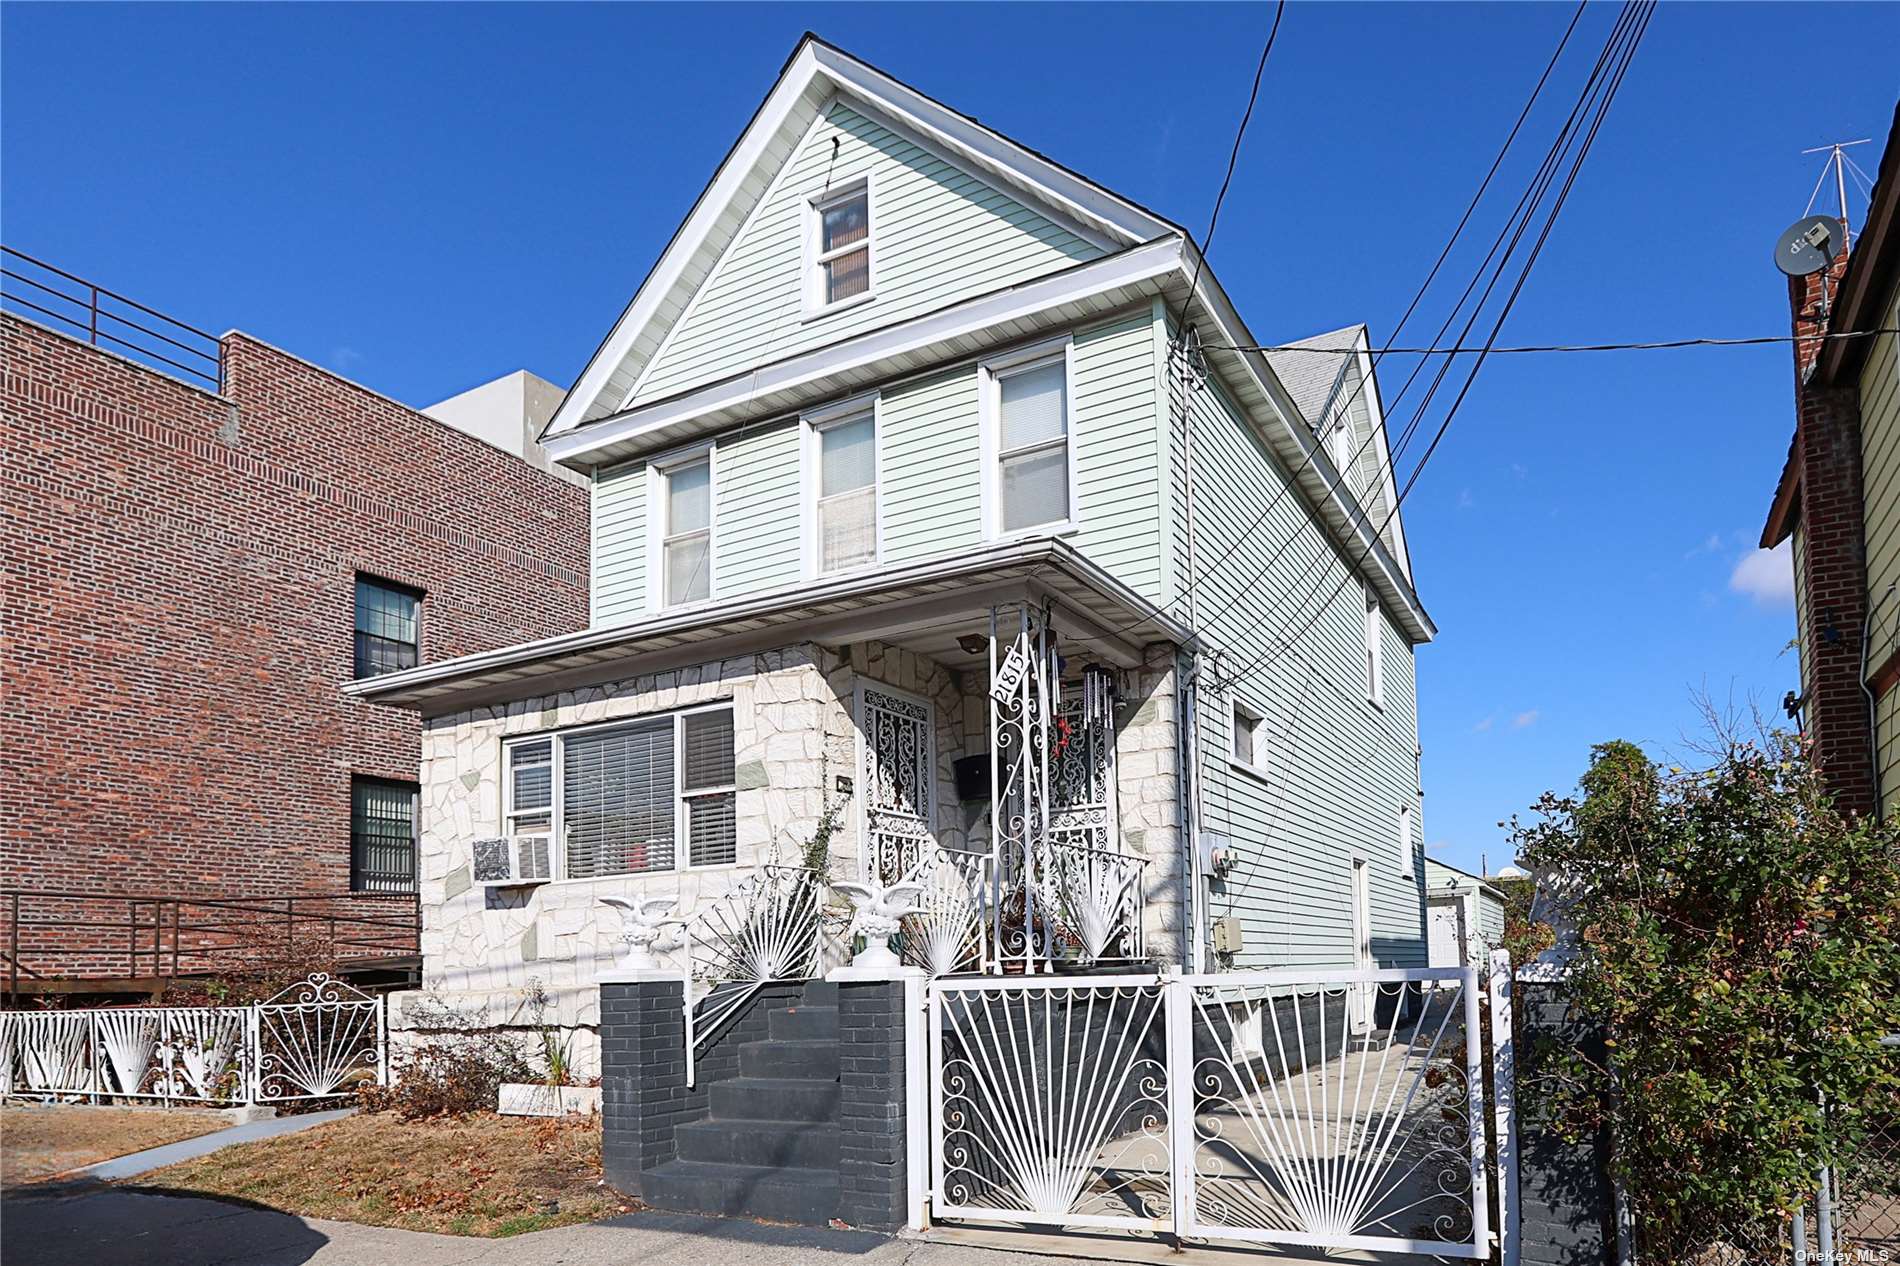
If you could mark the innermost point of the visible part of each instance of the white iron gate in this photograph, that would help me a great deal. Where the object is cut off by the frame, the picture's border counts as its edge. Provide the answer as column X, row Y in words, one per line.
column 1249, row 1107
column 318, row 1038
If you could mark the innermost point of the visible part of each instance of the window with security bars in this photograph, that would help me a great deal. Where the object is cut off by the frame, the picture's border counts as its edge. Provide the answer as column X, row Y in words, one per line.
column 388, row 627
column 382, row 835
column 621, row 797
column 842, row 224
column 1032, row 408
column 847, row 494
column 686, row 545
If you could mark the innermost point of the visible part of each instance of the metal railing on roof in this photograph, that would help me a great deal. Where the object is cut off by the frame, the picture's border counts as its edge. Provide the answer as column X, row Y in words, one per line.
column 33, row 288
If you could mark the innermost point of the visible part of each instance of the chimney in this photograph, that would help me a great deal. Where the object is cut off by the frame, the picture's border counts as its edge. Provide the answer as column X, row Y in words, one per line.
column 1831, row 563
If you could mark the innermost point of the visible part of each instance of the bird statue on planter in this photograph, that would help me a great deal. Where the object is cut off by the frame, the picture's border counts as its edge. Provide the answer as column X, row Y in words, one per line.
column 879, row 911
column 642, row 922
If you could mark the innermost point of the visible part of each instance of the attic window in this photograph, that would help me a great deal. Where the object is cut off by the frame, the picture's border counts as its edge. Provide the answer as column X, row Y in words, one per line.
column 841, row 247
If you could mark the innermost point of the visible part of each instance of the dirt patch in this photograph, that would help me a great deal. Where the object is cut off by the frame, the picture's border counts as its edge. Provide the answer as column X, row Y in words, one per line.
column 479, row 1175
column 39, row 1141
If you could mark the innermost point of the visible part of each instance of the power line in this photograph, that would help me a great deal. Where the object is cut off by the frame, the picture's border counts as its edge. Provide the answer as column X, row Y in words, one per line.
column 1624, row 57
column 1418, row 296
column 1662, row 345
column 1520, row 216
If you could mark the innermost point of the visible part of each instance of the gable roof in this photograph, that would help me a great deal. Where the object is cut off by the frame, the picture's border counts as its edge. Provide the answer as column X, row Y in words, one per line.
column 1149, row 257
column 816, row 73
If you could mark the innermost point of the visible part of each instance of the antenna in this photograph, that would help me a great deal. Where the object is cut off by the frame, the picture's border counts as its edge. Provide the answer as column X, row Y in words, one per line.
column 1838, row 161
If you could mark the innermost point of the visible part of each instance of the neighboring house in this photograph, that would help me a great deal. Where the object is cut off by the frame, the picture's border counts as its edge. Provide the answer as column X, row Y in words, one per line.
column 918, row 459
column 199, row 550
column 1838, row 504
column 1464, row 916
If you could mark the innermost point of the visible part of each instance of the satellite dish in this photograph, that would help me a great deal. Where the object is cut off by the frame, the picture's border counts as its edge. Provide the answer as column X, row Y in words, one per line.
column 1809, row 244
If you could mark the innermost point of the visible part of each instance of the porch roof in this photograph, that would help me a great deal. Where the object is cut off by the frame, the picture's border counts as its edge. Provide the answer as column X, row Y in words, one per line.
column 923, row 607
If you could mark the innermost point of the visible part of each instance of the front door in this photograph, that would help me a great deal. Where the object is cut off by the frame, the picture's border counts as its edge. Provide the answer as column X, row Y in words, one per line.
column 896, row 736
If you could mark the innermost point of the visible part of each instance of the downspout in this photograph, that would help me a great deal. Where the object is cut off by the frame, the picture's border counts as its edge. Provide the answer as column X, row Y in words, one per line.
column 1187, row 804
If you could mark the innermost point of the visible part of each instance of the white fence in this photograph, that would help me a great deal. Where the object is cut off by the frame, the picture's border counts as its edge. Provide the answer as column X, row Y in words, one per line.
column 1341, row 1110
column 316, row 1039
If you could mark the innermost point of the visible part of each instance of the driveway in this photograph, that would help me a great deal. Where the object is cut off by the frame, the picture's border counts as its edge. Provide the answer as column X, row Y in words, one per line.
column 109, row 1226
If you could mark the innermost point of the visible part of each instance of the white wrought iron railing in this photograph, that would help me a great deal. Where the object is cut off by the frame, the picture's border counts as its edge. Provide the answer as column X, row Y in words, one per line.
column 765, row 929
column 317, row 1039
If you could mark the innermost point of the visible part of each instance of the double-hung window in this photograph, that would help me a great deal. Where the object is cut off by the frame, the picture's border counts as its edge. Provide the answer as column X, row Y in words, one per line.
column 629, row 798
column 685, row 508
column 1404, row 840
column 841, row 245
column 1375, row 649
column 1030, row 402
column 388, row 627
column 382, row 835
column 844, row 509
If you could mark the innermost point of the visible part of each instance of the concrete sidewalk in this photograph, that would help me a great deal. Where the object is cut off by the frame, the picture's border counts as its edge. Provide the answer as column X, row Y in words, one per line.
column 110, row 1226
column 203, row 1145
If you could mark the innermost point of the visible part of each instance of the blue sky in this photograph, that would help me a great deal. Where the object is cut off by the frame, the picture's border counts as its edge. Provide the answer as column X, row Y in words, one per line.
column 424, row 197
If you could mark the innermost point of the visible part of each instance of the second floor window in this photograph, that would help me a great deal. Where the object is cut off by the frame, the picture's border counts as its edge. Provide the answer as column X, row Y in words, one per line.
column 1032, row 443
column 846, row 510
column 388, row 627
column 686, row 541
column 1375, row 649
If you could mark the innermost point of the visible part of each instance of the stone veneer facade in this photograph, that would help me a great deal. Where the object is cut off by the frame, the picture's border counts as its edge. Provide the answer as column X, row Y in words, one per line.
column 794, row 736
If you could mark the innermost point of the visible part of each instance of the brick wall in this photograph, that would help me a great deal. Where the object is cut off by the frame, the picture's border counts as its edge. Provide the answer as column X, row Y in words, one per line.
column 179, row 605
column 1833, row 575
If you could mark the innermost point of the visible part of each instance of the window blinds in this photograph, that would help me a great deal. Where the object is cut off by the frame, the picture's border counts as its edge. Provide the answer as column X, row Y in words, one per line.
column 617, row 800
column 706, row 781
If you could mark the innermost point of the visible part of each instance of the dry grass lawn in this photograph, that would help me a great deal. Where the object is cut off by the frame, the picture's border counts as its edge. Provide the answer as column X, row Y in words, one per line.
column 38, row 1141
column 478, row 1175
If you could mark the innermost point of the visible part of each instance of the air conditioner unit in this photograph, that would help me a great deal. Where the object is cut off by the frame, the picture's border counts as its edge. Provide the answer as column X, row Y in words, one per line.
column 511, row 861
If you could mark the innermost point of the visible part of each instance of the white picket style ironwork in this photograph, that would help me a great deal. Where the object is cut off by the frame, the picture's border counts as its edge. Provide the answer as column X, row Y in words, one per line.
column 1340, row 1110
column 946, row 934
column 314, row 1040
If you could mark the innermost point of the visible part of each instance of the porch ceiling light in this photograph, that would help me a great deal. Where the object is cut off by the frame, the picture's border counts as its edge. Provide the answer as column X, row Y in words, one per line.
column 973, row 643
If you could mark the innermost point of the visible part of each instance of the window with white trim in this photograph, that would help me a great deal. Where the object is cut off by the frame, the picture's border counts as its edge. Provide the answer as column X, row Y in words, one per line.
column 844, row 512
column 1249, row 737
column 1406, row 847
column 658, row 794
column 686, row 531
column 1031, row 400
column 841, row 247
column 1375, row 648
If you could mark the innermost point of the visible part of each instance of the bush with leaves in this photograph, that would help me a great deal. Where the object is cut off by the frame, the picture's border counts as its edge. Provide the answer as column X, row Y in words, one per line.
column 1739, row 952
column 454, row 1065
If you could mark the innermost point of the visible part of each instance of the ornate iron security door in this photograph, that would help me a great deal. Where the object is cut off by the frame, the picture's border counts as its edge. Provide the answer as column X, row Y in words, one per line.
column 896, row 733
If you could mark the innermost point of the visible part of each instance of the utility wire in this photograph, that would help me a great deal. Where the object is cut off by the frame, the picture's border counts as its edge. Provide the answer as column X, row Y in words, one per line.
column 1507, row 240
column 1233, row 156
column 1664, row 345
column 1624, row 58
column 1365, row 380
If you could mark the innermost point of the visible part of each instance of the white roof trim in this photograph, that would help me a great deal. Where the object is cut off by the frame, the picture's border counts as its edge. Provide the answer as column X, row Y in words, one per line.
column 1142, row 263
column 818, row 66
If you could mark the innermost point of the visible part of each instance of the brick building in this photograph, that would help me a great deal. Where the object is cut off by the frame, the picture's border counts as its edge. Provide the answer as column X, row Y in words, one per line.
column 1838, row 504
column 190, row 574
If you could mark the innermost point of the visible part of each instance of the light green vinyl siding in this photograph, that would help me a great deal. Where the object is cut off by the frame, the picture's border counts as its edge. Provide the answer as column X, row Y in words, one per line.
column 1441, row 879
column 1338, row 769
column 939, row 235
column 930, row 467
column 1117, row 467
column 1880, row 469
column 757, row 521
column 618, row 582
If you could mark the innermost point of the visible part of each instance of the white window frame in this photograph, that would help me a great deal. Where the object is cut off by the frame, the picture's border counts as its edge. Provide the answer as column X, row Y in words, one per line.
column 815, row 256
column 1256, row 723
column 990, row 374
column 557, row 826
column 811, row 426
column 1404, row 828
column 1374, row 635
column 658, row 470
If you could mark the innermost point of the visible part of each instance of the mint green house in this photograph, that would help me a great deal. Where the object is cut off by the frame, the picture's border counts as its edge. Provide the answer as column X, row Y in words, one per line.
column 941, row 512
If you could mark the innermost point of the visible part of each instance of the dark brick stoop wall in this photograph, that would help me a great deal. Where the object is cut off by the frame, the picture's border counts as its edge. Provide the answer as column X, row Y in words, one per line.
column 645, row 1101
column 1567, row 1203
